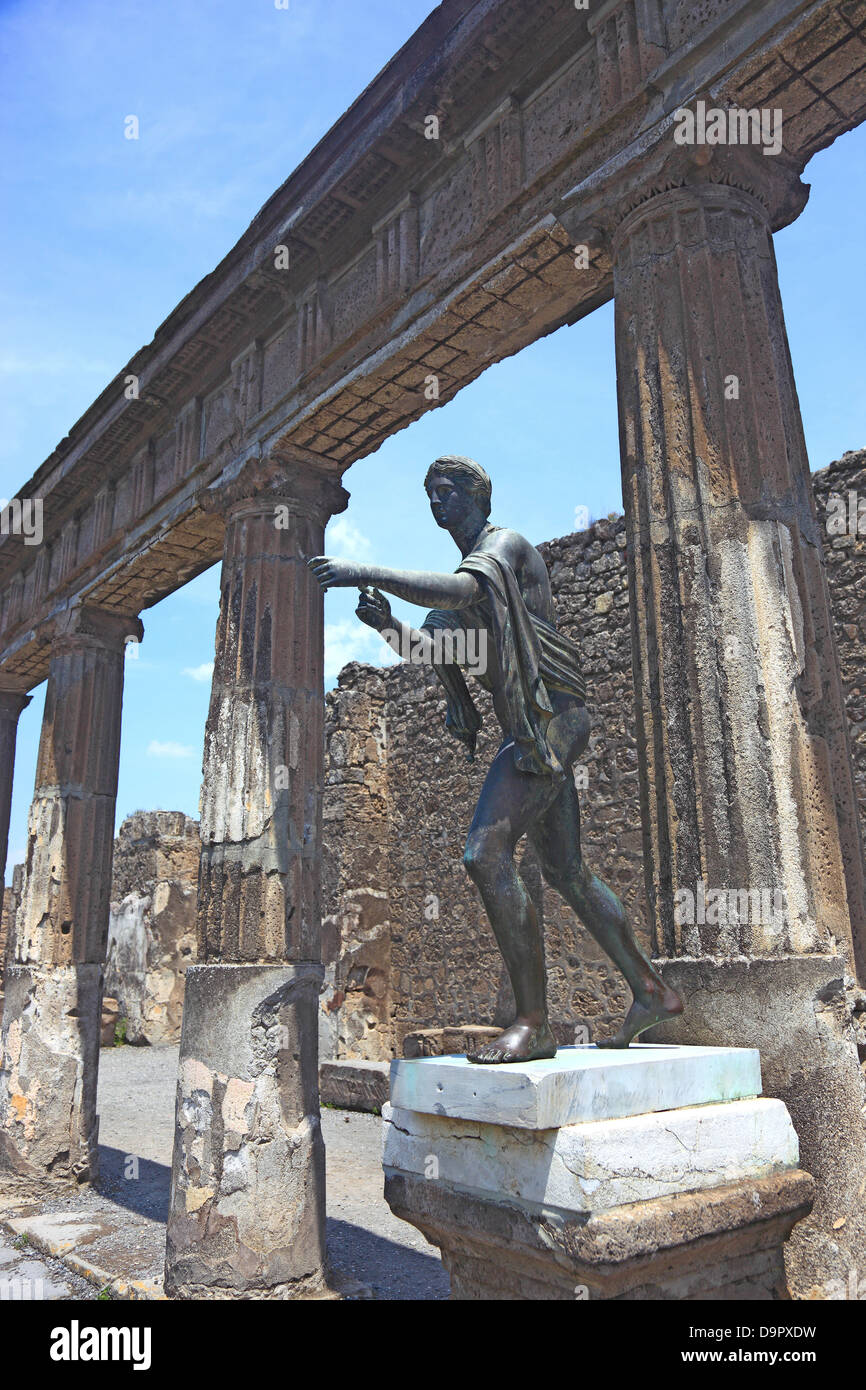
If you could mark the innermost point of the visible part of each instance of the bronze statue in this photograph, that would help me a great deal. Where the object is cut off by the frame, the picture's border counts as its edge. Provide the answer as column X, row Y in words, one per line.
column 502, row 589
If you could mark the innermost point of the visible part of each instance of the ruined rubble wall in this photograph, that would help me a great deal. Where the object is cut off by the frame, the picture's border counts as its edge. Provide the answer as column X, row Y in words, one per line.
column 445, row 968
column 845, row 555
column 11, row 899
column 356, row 1008
column 151, row 936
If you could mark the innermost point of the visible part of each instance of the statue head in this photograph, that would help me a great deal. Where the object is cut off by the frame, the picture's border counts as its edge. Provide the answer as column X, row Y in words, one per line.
column 457, row 486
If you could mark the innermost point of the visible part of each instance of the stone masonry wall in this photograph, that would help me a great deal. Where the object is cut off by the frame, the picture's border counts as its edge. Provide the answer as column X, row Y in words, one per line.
column 151, row 936
column 11, row 899
column 845, row 553
column 400, row 794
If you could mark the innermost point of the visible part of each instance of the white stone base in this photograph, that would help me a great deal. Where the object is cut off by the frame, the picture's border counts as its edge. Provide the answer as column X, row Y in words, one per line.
column 656, row 1172
column 596, row 1166
column 578, row 1084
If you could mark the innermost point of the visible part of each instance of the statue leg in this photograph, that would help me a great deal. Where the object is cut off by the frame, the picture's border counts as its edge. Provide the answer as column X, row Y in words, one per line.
column 556, row 839
column 509, row 803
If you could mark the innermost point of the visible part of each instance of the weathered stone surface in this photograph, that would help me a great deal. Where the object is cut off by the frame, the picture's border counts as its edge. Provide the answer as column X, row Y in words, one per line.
column 11, row 900
column 354, row 1085
column 840, row 491
column 446, row 1042
column 12, row 702
column 796, row 1011
column 247, row 1193
column 63, row 914
column 109, row 1019
column 679, row 1201
column 599, row 1164
column 721, row 1244
column 50, row 1041
column 606, row 1204
column 579, row 1084
column 746, row 781
column 151, row 936
column 259, row 894
column 62, row 918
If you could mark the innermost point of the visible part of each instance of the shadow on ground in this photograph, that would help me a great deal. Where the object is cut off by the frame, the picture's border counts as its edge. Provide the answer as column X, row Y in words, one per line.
column 135, row 1183
column 391, row 1271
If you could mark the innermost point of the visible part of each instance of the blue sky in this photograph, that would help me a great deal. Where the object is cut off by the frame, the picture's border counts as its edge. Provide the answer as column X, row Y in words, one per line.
column 102, row 236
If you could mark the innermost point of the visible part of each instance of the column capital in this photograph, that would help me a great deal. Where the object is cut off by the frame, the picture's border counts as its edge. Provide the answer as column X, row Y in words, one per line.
column 91, row 626
column 280, row 478
column 601, row 213
column 13, row 699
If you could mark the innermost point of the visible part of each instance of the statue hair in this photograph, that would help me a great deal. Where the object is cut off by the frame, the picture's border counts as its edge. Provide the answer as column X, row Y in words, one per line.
column 469, row 476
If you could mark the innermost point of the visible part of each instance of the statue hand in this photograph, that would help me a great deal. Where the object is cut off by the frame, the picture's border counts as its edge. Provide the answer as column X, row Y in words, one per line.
column 334, row 574
column 374, row 609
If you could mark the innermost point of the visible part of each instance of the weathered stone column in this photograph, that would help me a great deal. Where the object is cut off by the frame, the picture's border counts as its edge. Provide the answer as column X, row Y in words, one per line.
column 12, row 702
column 50, row 1039
column 248, row 1181
column 746, row 779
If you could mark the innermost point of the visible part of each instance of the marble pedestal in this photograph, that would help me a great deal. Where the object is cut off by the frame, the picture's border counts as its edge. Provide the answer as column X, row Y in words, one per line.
column 659, row 1172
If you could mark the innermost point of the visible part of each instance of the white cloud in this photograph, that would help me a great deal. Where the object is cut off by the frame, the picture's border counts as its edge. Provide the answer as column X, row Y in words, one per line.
column 350, row 640
column 199, row 673
column 346, row 541
column 155, row 749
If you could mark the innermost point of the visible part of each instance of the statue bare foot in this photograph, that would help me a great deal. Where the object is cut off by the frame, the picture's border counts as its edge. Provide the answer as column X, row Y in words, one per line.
column 659, row 1005
column 522, row 1042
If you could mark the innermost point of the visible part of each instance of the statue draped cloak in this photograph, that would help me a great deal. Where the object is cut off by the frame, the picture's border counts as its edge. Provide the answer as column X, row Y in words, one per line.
column 533, row 658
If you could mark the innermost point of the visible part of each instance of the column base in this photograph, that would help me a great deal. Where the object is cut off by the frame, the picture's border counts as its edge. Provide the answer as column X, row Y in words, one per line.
column 247, row 1211
column 50, row 1057
column 657, row 1173
column 794, row 1009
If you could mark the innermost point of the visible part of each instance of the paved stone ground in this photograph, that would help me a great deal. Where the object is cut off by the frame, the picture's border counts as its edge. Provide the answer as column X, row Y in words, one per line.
column 115, row 1234
column 25, row 1276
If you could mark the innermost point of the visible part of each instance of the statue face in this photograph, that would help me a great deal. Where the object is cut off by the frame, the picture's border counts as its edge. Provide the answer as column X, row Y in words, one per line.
column 448, row 502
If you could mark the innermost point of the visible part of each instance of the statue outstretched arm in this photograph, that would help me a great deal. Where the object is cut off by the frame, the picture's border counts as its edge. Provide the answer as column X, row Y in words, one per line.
column 417, row 645
column 423, row 587
column 410, row 644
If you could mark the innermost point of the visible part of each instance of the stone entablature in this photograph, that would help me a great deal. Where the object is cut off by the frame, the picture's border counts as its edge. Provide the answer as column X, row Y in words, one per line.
column 409, row 258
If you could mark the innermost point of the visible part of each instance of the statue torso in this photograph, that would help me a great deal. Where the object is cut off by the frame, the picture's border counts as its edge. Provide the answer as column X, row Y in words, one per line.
column 534, row 583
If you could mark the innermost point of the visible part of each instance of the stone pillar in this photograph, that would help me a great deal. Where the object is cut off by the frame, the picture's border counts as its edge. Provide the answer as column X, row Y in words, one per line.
column 51, row 1021
column 746, row 779
column 247, row 1200
column 12, row 702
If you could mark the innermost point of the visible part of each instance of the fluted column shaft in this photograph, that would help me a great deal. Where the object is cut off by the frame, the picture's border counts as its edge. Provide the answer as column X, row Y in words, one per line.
column 247, row 1210
column 12, row 702
column 259, row 895
column 752, row 846
column 51, row 1023
column 747, row 780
